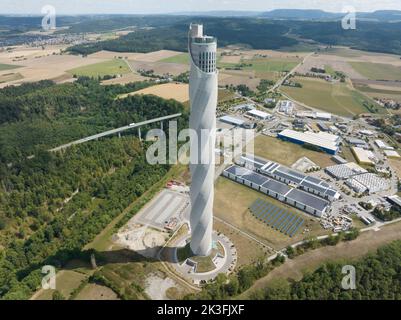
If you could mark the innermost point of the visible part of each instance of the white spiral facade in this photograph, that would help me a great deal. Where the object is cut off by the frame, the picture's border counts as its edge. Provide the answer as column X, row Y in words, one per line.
column 203, row 101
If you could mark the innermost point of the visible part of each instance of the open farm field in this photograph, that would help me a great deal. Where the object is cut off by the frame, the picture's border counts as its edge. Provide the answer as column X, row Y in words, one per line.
column 101, row 69
column 377, row 71
column 288, row 153
column 336, row 98
column 176, row 91
column 159, row 68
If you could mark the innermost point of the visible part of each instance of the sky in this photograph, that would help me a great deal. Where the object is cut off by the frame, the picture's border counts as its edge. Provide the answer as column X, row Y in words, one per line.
column 170, row 6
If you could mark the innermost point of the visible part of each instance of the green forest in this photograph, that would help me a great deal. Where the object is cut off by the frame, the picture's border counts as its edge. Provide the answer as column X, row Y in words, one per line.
column 44, row 115
column 53, row 204
column 256, row 33
column 377, row 278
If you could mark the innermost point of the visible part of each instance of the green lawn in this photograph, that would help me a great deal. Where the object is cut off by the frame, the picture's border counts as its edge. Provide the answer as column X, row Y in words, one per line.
column 336, row 98
column 182, row 58
column 379, row 93
column 287, row 153
column 111, row 67
column 377, row 71
column 8, row 67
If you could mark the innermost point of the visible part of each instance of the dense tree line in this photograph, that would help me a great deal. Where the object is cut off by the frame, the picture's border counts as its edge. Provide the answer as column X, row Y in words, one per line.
column 378, row 276
column 256, row 33
column 314, row 243
column 259, row 34
column 53, row 204
column 41, row 116
column 109, row 176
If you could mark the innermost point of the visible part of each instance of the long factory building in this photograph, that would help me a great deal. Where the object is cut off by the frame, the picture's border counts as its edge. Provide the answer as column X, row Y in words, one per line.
column 289, row 176
column 326, row 142
column 278, row 190
column 306, row 193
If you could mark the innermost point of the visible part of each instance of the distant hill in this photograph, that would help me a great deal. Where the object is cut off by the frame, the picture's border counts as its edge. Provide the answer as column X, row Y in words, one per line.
column 299, row 14
column 223, row 13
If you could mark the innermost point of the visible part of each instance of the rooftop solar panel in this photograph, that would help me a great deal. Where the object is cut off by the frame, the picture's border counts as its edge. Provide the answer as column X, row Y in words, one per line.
column 255, row 178
column 307, row 184
column 331, row 192
column 287, row 176
column 307, row 199
column 292, row 172
column 254, row 161
column 324, row 184
column 238, row 171
column 277, row 187
column 313, row 179
column 270, row 166
column 273, row 167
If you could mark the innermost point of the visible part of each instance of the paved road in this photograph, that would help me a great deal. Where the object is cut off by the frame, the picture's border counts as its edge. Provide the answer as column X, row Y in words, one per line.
column 280, row 82
column 114, row 131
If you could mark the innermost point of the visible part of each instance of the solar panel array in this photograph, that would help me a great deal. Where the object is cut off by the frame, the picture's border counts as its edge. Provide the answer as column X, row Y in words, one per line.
column 277, row 218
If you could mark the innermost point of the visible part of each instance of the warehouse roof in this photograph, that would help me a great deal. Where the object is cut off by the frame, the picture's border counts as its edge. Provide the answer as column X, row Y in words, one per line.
column 258, row 113
column 363, row 155
column 307, row 199
column 321, row 139
column 276, row 170
column 278, row 187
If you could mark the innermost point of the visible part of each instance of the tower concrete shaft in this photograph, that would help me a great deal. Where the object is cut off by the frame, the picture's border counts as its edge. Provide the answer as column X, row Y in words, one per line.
column 203, row 100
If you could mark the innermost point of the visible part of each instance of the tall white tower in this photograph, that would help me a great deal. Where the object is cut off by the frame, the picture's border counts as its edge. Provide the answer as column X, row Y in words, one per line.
column 203, row 99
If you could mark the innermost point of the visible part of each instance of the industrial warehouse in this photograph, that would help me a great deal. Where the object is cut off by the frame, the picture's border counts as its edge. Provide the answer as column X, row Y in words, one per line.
column 289, row 176
column 367, row 183
column 280, row 191
column 306, row 193
column 358, row 178
column 344, row 171
column 326, row 142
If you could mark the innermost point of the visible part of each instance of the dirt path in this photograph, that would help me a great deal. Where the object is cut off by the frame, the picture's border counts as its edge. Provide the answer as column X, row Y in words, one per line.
column 294, row 268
